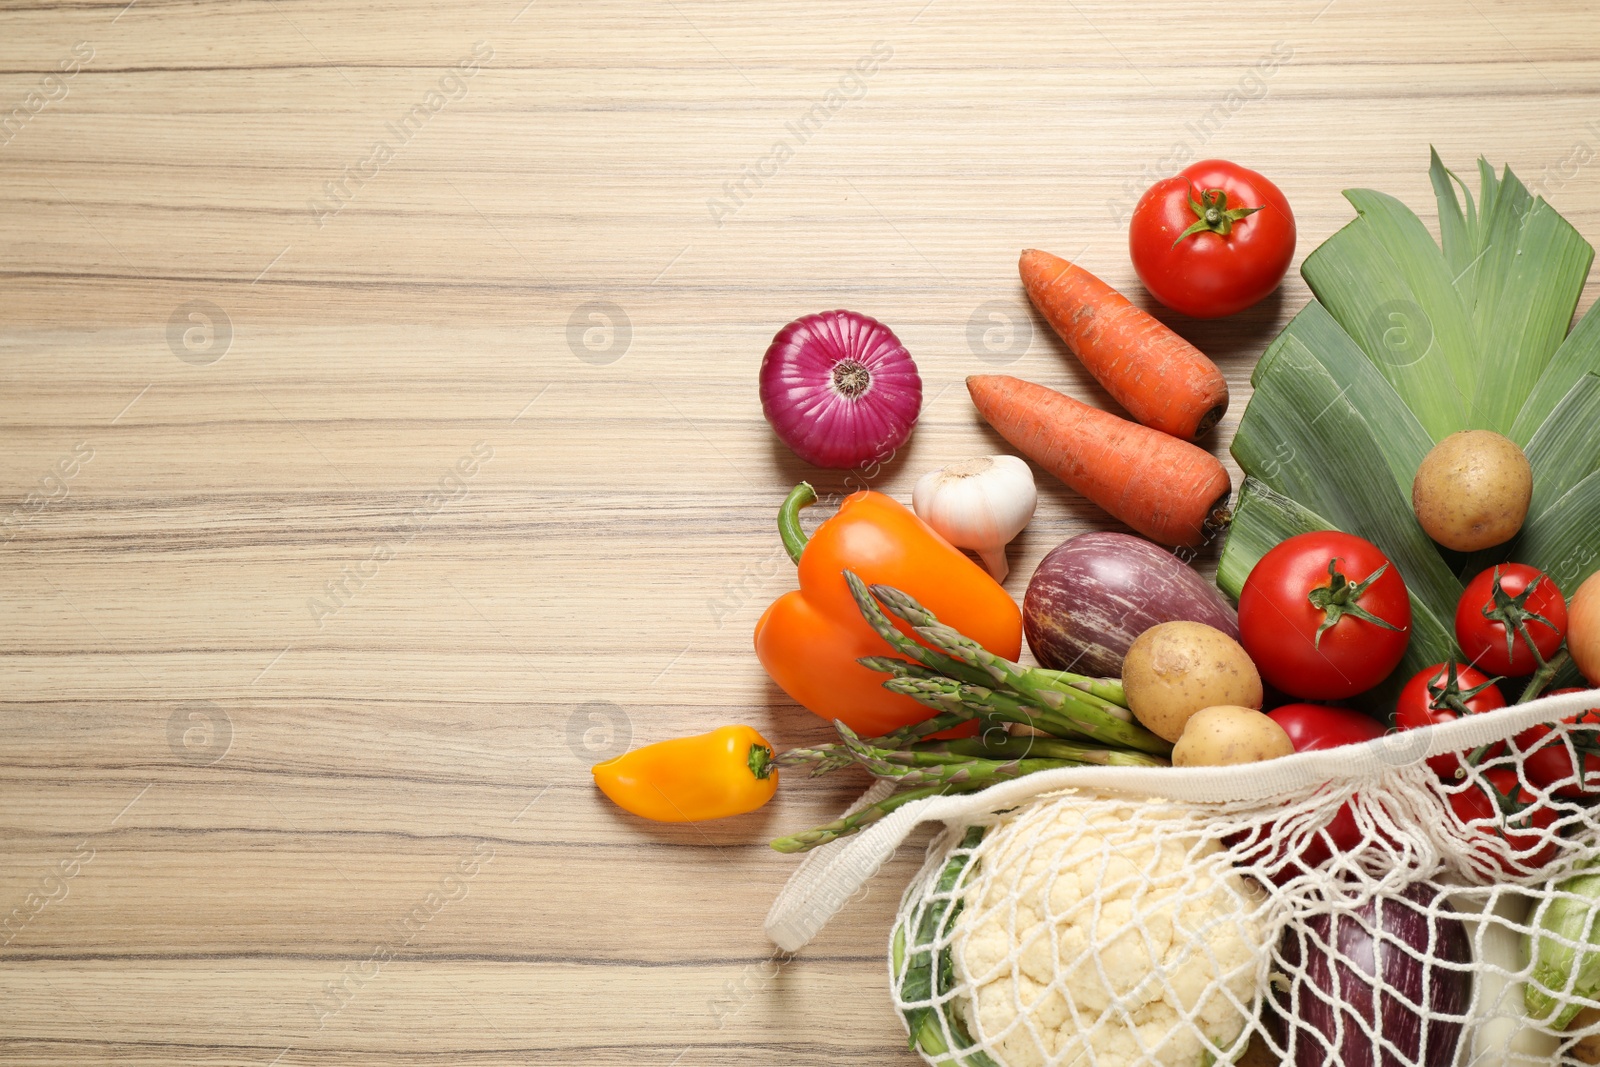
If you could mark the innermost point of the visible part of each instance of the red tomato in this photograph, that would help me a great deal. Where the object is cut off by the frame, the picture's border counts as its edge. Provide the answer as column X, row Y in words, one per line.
column 1506, row 613
column 1500, row 807
column 1312, row 727
column 1429, row 698
column 1213, row 240
column 1548, row 763
column 1324, row 615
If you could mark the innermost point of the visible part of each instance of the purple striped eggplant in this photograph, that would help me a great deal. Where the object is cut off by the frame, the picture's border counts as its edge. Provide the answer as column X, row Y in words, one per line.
column 1360, row 976
column 1093, row 594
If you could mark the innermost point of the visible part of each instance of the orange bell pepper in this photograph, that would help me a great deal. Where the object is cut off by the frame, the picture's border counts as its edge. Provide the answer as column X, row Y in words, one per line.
column 728, row 771
column 809, row 640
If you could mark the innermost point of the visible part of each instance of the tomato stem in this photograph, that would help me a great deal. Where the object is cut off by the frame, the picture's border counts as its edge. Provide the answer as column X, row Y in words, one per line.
column 1340, row 598
column 1546, row 674
column 1212, row 214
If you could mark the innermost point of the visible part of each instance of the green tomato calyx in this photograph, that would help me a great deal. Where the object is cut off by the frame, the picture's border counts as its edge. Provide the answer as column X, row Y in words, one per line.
column 1451, row 697
column 1341, row 597
column 1212, row 214
column 1512, row 613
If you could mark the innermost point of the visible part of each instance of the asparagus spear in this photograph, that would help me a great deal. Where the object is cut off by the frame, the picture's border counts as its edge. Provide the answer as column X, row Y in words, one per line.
column 1070, row 719
column 946, row 693
column 1021, row 747
column 1108, row 689
column 961, row 770
column 854, row 823
column 898, row 641
column 955, row 645
column 824, row 758
column 898, row 667
column 833, row 757
column 981, row 772
column 1105, row 692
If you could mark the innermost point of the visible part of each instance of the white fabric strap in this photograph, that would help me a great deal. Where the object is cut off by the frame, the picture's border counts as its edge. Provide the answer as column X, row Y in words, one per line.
column 827, row 878
column 832, row 874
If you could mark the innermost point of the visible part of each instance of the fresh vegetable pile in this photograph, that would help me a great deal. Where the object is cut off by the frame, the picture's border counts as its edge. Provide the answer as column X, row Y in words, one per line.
column 1153, row 853
column 1073, row 721
column 1431, row 401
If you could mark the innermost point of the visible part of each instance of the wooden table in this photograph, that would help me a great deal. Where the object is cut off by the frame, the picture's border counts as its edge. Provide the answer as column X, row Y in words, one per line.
column 380, row 448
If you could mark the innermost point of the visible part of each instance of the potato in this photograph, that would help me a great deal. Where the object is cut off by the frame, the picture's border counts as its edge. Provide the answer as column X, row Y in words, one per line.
column 1227, row 734
column 1472, row 490
column 1583, row 628
column 1173, row 670
column 1588, row 1049
column 1258, row 1054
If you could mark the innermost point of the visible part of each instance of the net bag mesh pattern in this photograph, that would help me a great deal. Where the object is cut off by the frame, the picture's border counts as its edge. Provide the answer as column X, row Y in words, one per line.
column 1109, row 916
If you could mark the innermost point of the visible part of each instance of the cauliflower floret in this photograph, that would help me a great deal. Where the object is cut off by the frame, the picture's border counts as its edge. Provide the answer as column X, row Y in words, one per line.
column 1098, row 925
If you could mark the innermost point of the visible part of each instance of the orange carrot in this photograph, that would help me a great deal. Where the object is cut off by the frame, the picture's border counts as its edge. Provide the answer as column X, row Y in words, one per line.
column 1169, row 490
column 1164, row 381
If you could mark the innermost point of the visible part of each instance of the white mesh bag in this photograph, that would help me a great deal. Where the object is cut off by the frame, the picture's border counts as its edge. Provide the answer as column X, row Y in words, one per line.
column 1104, row 916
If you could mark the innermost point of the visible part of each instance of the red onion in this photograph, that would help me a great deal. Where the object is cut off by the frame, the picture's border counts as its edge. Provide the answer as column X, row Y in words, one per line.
column 840, row 389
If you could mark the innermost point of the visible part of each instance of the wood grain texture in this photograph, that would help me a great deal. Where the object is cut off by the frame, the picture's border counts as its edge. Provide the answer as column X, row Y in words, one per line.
column 278, row 674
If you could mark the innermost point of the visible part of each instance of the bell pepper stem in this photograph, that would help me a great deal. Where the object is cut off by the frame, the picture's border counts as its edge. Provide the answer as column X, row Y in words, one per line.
column 794, row 538
column 760, row 761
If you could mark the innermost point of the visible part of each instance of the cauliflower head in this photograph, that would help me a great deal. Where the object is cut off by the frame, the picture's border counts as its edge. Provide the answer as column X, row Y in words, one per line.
column 1104, row 932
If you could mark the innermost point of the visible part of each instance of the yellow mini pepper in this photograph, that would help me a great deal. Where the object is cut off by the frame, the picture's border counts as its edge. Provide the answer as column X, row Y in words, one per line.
column 728, row 771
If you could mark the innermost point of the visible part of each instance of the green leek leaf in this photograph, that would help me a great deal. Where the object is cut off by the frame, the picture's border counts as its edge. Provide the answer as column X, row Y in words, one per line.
column 1354, row 276
column 1314, row 335
column 1456, row 230
column 1563, row 451
column 1522, row 315
column 1577, row 356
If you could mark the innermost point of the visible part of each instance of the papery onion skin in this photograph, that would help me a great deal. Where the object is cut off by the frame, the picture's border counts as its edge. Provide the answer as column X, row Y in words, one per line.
column 840, row 389
column 1333, row 988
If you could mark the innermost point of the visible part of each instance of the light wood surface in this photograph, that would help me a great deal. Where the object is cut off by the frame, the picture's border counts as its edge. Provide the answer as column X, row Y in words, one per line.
column 225, row 786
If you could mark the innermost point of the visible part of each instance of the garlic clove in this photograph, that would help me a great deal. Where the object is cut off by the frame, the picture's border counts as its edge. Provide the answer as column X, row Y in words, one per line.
column 995, row 560
column 979, row 504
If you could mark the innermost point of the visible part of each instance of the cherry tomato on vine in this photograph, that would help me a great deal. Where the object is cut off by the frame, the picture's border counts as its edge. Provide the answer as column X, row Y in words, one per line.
column 1311, row 728
column 1443, row 693
column 1324, row 615
column 1547, row 762
column 1500, row 807
column 1213, row 240
column 1505, row 614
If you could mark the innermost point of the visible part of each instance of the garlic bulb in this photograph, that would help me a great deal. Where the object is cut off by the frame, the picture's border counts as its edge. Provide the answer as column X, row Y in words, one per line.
column 979, row 504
